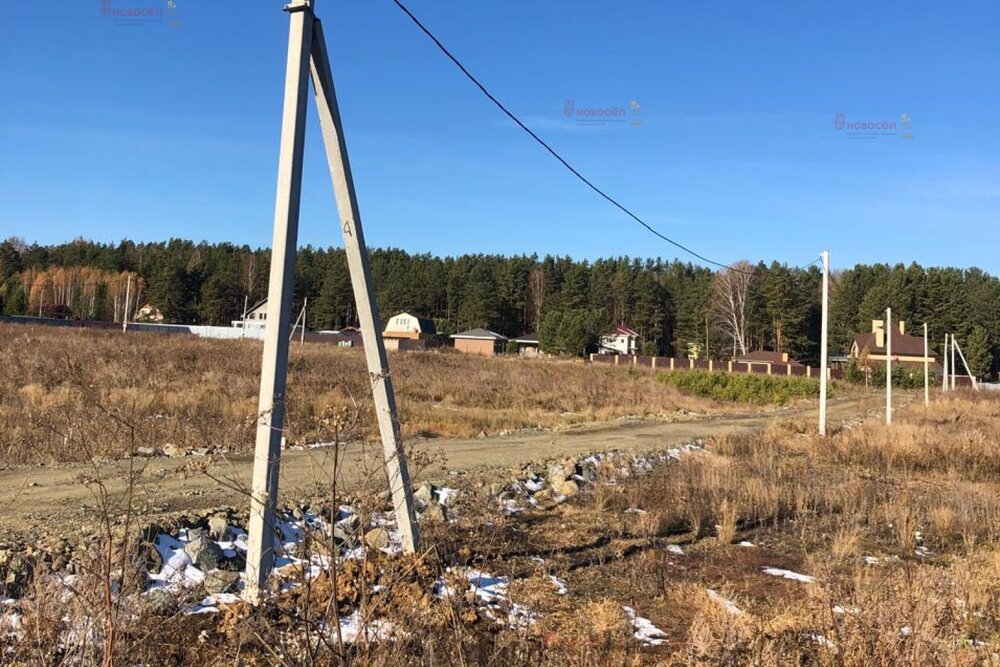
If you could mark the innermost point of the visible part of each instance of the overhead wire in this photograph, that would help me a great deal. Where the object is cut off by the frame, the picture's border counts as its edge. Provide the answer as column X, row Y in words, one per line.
column 573, row 170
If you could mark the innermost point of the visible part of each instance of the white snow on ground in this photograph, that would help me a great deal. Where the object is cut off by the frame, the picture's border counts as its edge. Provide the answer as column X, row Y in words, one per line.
column 675, row 549
column 822, row 641
column 493, row 591
column 534, row 484
column 788, row 574
column 871, row 560
column 10, row 620
column 746, row 544
column 644, row 630
column 446, row 496
column 351, row 628
column 839, row 610
column 559, row 584
column 728, row 605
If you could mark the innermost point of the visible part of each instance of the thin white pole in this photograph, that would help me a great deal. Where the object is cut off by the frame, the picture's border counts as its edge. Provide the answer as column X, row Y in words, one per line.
column 823, row 372
column 243, row 329
column 274, row 365
column 953, row 367
column 128, row 295
column 302, row 331
column 888, row 365
column 364, row 293
column 944, row 365
column 927, row 369
column 975, row 385
column 291, row 334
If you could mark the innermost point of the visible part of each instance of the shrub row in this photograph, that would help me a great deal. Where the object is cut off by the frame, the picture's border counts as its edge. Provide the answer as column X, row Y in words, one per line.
column 758, row 389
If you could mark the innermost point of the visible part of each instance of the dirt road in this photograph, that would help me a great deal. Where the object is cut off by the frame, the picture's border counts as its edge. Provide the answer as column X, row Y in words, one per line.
column 58, row 498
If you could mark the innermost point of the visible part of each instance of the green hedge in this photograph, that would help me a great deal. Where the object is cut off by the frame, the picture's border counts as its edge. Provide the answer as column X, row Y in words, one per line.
column 743, row 388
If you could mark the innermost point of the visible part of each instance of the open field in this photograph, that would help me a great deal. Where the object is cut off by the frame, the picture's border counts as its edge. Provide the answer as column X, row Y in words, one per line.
column 875, row 546
column 69, row 395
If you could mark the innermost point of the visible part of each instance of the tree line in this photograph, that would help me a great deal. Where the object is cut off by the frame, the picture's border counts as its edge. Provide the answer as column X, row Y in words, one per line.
column 678, row 308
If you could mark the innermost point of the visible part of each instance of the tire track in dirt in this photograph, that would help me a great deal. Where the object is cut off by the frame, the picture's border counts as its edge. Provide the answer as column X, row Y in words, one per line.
column 57, row 498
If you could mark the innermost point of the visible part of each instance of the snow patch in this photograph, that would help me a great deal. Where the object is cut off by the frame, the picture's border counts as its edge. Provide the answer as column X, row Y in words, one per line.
column 788, row 574
column 644, row 630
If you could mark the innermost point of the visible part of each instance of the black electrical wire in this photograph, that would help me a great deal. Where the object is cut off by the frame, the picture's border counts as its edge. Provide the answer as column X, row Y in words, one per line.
column 551, row 150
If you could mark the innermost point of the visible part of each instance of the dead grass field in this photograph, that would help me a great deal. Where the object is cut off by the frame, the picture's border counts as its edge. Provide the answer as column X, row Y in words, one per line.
column 894, row 531
column 70, row 395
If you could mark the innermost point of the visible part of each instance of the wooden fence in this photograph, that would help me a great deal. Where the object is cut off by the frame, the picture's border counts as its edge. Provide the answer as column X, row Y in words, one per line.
column 713, row 366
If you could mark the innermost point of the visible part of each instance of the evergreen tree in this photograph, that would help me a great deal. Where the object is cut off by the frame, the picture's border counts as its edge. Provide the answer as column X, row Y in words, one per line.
column 977, row 352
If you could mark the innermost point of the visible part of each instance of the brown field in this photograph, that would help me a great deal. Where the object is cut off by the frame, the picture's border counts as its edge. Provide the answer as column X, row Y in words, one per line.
column 899, row 528
column 70, row 395
column 896, row 530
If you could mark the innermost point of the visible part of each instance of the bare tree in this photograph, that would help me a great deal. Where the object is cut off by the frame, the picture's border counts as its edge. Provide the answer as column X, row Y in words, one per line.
column 730, row 292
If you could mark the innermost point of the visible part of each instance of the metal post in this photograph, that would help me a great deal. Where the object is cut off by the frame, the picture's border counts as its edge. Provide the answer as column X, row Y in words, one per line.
column 364, row 291
column 274, row 367
column 823, row 363
column 128, row 295
column 888, row 365
column 927, row 369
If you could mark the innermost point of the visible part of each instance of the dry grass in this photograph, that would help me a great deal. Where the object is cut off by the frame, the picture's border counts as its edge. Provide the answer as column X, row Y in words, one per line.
column 56, row 383
column 899, row 527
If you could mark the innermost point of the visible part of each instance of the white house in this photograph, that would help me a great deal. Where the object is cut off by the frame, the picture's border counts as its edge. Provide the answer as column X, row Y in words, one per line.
column 256, row 317
column 406, row 325
column 620, row 340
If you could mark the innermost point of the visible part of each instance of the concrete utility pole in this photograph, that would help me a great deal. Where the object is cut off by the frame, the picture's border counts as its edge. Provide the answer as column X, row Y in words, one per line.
column 243, row 329
column 953, row 367
column 888, row 365
column 927, row 370
column 823, row 372
column 274, row 367
column 305, row 43
column 972, row 378
column 364, row 292
column 944, row 365
column 128, row 295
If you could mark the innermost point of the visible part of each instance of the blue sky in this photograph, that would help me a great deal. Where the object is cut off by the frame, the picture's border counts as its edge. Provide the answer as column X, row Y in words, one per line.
column 155, row 131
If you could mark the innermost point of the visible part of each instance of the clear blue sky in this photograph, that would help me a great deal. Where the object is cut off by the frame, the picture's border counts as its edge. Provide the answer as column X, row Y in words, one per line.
column 151, row 131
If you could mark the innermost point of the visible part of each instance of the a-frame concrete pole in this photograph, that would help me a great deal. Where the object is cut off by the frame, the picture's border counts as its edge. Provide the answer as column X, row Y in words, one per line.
column 823, row 363
column 274, row 368
column 364, row 292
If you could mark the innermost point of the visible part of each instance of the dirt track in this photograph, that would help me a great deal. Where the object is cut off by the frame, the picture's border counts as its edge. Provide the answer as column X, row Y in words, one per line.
column 57, row 498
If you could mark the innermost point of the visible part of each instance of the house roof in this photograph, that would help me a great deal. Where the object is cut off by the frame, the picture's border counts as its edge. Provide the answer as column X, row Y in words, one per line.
column 622, row 330
column 426, row 324
column 257, row 305
column 902, row 344
column 527, row 338
column 766, row 356
column 479, row 334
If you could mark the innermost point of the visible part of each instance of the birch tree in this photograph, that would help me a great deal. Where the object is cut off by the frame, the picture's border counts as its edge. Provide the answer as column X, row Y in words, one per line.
column 730, row 293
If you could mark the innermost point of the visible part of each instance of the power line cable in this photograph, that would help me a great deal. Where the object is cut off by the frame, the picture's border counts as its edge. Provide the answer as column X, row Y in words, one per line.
column 551, row 150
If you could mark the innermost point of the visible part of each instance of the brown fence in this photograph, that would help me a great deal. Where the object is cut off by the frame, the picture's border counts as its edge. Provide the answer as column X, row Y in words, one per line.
column 713, row 366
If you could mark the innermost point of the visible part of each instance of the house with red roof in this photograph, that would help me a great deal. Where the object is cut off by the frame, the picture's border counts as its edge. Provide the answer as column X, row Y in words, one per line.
column 620, row 340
